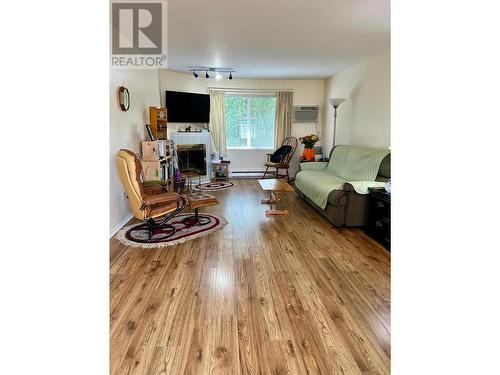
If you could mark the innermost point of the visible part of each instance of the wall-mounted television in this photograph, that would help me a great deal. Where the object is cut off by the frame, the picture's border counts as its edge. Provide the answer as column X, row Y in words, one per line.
column 187, row 107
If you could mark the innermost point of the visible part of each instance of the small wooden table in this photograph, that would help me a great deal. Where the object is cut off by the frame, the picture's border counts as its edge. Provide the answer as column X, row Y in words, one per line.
column 274, row 187
column 224, row 166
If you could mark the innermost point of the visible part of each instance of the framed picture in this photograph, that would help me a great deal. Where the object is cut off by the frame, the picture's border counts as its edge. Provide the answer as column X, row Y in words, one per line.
column 149, row 132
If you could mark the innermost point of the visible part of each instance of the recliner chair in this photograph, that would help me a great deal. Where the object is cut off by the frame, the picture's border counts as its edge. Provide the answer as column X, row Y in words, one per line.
column 147, row 208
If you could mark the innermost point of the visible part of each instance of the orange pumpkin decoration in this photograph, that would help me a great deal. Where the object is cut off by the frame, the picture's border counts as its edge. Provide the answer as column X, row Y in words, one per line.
column 308, row 154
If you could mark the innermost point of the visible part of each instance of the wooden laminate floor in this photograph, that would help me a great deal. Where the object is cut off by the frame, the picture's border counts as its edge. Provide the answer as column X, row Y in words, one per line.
column 271, row 295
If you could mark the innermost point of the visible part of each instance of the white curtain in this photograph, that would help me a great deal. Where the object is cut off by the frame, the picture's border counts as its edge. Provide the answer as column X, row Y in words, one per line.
column 284, row 113
column 217, row 124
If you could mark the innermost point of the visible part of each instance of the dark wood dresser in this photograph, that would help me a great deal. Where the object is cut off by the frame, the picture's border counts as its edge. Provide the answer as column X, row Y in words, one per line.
column 379, row 217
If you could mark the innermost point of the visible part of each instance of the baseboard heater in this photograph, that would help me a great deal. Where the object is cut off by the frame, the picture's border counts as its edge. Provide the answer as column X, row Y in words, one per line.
column 246, row 174
column 233, row 172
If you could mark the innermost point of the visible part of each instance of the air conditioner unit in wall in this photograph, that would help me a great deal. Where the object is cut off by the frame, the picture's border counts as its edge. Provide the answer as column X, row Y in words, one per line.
column 305, row 113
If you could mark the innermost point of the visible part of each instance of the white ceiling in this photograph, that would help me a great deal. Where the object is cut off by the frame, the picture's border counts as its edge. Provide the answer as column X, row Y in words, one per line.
column 276, row 38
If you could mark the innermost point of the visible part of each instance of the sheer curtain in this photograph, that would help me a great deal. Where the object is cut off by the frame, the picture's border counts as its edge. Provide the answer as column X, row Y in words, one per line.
column 217, row 125
column 284, row 113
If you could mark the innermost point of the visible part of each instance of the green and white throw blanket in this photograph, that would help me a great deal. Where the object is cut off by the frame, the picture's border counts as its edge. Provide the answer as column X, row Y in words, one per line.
column 357, row 166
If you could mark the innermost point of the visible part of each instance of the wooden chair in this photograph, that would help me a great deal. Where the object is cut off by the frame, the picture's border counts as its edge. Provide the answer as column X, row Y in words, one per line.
column 285, row 160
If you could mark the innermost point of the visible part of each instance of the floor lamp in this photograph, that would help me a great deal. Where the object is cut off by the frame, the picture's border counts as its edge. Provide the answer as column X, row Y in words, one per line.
column 335, row 102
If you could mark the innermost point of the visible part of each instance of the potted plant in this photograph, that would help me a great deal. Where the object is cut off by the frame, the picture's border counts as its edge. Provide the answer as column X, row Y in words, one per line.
column 308, row 141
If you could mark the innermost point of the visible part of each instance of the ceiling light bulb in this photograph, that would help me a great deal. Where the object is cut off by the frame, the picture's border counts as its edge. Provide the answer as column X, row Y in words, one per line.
column 218, row 76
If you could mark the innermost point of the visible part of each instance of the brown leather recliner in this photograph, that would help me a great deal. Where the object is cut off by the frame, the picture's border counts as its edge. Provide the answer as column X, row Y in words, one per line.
column 146, row 207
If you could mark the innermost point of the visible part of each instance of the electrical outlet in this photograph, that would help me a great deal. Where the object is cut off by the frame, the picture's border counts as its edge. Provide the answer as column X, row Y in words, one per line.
column 124, row 196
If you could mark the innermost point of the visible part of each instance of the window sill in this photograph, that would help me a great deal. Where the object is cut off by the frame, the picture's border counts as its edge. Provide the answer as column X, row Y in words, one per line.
column 250, row 148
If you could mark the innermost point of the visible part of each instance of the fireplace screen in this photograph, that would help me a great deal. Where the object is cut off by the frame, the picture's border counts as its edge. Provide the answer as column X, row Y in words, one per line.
column 192, row 158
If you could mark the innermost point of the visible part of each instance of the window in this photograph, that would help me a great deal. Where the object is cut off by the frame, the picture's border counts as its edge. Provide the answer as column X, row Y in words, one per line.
column 250, row 121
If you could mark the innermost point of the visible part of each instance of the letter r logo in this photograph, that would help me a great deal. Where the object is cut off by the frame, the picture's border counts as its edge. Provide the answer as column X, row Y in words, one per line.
column 137, row 28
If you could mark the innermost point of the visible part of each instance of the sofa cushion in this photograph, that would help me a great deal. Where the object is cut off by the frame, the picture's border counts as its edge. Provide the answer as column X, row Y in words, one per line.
column 317, row 185
column 353, row 163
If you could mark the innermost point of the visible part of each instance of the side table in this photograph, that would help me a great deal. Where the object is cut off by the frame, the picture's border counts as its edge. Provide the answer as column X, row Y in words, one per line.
column 379, row 216
column 225, row 168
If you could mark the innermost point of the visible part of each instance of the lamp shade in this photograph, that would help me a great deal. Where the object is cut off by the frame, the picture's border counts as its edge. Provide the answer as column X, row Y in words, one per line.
column 335, row 102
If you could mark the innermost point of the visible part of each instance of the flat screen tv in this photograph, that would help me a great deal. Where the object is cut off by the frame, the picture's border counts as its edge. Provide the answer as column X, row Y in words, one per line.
column 187, row 107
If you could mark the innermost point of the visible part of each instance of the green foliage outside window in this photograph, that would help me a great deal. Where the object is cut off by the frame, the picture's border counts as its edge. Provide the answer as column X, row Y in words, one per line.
column 250, row 121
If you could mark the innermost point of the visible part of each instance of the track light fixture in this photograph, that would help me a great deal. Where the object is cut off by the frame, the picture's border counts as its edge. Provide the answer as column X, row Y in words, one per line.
column 217, row 72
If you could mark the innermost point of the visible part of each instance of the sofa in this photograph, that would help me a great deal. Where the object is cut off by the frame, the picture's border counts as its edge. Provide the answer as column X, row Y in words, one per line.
column 345, row 205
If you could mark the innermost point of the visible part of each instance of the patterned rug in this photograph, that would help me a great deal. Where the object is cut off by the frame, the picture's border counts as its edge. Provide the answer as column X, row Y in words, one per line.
column 185, row 231
column 213, row 186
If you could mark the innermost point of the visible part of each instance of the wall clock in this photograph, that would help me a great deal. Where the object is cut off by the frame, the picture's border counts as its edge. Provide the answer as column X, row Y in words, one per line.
column 124, row 97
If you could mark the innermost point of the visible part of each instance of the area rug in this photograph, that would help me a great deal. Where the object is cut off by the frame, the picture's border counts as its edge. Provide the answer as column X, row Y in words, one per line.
column 184, row 232
column 213, row 186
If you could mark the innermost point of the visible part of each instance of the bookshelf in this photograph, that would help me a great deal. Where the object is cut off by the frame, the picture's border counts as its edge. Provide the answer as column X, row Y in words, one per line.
column 158, row 122
column 157, row 163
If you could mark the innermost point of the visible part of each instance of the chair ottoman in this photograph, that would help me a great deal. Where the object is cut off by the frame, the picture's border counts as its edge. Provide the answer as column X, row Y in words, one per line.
column 195, row 201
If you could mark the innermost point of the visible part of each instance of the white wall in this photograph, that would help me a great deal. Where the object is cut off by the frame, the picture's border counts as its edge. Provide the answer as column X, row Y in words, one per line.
column 364, row 118
column 305, row 92
column 127, row 128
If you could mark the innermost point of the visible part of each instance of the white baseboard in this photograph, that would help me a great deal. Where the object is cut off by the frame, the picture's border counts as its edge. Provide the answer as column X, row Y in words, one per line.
column 119, row 226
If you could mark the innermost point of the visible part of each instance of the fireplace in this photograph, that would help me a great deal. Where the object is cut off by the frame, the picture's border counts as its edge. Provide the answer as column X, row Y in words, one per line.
column 192, row 158
column 191, row 146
